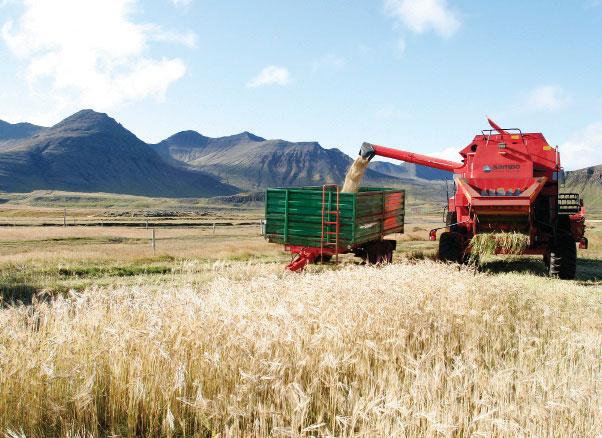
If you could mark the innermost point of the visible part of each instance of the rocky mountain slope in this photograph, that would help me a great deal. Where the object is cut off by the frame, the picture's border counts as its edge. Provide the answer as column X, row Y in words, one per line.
column 11, row 133
column 91, row 152
column 254, row 163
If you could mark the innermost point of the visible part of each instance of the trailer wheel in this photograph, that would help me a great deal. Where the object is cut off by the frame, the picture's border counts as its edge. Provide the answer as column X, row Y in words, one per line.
column 389, row 246
column 450, row 247
column 563, row 257
column 324, row 258
column 377, row 252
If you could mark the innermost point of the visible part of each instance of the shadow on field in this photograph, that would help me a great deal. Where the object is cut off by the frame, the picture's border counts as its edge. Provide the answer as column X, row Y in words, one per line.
column 17, row 293
column 589, row 271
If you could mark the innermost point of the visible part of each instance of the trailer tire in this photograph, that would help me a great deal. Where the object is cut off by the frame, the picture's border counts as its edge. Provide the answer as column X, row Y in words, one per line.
column 324, row 258
column 450, row 247
column 563, row 257
column 389, row 246
column 378, row 252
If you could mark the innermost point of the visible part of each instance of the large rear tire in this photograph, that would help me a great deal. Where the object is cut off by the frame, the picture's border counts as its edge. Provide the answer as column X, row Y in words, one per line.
column 450, row 247
column 563, row 257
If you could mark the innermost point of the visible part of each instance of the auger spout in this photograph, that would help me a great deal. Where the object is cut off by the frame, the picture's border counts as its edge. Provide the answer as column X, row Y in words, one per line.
column 368, row 151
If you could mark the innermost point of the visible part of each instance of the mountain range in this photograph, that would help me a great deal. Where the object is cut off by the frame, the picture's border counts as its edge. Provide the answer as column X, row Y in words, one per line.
column 91, row 152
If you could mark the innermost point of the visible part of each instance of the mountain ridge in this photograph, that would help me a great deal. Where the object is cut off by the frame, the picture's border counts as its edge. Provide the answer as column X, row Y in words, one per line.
column 252, row 162
column 91, row 152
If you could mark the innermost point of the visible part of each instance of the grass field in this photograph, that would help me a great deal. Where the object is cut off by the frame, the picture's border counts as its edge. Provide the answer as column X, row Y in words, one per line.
column 210, row 336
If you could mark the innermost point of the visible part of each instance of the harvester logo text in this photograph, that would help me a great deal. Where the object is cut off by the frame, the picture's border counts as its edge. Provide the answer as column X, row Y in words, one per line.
column 501, row 167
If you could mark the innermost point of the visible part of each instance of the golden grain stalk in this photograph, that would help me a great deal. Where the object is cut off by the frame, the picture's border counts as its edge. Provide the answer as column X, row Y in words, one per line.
column 404, row 350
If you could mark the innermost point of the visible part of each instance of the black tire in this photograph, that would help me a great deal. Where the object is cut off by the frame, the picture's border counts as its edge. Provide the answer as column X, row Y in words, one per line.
column 376, row 252
column 389, row 247
column 563, row 257
column 324, row 258
column 450, row 247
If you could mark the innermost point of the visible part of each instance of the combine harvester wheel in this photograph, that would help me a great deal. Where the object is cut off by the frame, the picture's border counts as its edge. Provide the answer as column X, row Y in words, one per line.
column 563, row 257
column 450, row 247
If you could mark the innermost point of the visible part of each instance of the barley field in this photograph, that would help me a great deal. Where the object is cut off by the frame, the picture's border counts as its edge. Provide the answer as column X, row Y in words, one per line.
column 412, row 349
column 208, row 336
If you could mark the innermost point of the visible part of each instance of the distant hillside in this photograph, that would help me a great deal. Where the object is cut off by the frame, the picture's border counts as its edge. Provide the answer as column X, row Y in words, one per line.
column 587, row 182
column 11, row 132
column 253, row 163
column 91, row 152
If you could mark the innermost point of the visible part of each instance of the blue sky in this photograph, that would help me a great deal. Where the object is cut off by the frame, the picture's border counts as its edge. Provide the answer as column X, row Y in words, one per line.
column 417, row 74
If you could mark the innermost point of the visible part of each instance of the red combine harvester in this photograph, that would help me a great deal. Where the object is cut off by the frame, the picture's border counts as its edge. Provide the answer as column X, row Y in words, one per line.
column 508, row 181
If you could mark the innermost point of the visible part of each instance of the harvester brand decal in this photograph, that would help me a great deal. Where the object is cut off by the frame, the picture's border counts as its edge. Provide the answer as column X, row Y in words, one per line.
column 547, row 148
column 506, row 166
column 515, row 137
column 501, row 167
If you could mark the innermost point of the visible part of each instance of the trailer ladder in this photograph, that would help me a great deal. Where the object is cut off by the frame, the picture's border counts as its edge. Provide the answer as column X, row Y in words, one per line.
column 330, row 217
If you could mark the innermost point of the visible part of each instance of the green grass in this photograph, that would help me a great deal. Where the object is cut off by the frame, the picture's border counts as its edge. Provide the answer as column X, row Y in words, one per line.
column 19, row 282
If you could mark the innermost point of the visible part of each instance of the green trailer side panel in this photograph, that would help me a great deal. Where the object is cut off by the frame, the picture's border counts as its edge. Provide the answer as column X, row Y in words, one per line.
column 294, row 216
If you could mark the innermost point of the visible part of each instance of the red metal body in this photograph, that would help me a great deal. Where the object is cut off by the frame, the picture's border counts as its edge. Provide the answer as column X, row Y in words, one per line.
column 507, row 181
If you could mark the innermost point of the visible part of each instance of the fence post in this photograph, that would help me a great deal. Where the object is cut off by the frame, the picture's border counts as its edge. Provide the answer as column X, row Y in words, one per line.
column 213, row 227
column 153, row 240
column 64, row 217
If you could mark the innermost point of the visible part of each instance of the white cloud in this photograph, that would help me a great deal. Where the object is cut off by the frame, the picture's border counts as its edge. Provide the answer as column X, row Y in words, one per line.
column 583, row 149
column 450, row 154
column 90, row 53
column 548, row 98
column 271, row 75
column 156, row 33
column 420, row 16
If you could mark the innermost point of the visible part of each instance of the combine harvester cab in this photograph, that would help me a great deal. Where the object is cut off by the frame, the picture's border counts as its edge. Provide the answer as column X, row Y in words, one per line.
column 508, row 181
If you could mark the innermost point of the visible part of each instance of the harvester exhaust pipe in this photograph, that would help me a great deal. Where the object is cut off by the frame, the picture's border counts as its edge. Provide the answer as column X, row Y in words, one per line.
column 496, row 127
